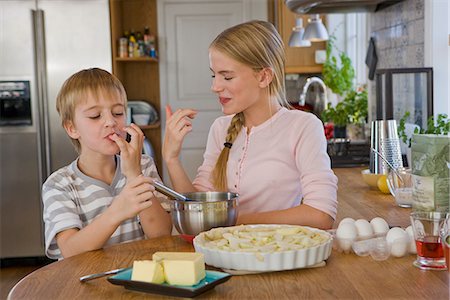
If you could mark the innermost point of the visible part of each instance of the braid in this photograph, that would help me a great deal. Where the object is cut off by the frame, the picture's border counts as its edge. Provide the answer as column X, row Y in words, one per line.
column 219, row 174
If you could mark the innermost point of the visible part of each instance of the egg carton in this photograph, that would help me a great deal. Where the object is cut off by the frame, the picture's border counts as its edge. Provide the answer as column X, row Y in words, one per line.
column 381, row 245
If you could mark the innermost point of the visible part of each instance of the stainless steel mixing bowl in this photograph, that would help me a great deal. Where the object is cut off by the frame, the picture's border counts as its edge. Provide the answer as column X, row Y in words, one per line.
column 204, row 210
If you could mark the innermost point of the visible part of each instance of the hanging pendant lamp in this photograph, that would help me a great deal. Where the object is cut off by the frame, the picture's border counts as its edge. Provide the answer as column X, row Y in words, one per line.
column 296, row 39
column 315, row 31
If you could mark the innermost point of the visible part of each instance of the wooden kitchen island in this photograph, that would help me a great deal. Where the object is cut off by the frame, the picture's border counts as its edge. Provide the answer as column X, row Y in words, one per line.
column 345, row 276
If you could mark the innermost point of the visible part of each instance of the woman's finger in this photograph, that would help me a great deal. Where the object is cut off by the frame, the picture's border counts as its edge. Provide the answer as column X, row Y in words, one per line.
column 168, row 111
column 181, row 114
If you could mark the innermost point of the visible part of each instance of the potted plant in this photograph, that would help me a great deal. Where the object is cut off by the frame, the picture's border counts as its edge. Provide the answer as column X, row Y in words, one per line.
column 405, row 131
column 352, row 110
column 338, row 77
column 428, row 157
column 441, row 126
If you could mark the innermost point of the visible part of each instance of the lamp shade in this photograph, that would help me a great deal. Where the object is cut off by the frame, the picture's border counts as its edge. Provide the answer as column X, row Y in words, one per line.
column 315, row 31
column 296, row 39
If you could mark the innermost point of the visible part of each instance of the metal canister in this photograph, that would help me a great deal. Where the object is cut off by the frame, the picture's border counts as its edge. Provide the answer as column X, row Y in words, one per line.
column 384, row 140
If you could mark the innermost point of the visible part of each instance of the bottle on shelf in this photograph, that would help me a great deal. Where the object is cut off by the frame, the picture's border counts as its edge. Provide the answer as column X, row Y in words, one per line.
column 140, row 44
column 123, row 44
column 132, row 44
column 149, row 41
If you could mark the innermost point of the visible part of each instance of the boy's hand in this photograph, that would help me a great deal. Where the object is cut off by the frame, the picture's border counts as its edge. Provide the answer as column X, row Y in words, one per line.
column 130, row 153
column 134, row 198
column 178, row 124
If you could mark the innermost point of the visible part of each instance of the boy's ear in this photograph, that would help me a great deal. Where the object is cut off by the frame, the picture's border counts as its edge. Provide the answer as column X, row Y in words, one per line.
column 265, row 77
column 71, row 130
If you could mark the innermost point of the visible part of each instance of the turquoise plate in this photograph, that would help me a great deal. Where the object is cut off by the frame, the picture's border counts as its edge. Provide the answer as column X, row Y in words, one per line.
column 211, row 279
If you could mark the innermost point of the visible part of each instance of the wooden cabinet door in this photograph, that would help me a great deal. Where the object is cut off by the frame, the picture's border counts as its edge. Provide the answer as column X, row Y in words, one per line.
column 298, row 59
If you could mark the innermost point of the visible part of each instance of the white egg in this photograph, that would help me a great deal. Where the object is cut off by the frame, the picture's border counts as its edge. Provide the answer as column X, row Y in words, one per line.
column 412, row 242
column 347, row 220
column 346, row 234
column 363, row 228
column 379, row 225
column 398, row 240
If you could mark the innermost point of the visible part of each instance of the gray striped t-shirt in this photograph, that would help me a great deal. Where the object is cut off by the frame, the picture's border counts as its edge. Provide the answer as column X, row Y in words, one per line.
column 72, row 200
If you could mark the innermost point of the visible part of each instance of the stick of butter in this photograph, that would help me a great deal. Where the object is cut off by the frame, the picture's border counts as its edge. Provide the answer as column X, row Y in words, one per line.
column 147, row 271
column 182, row 268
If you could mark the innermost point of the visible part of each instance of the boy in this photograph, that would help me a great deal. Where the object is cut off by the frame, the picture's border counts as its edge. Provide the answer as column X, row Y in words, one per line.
column 102, row 198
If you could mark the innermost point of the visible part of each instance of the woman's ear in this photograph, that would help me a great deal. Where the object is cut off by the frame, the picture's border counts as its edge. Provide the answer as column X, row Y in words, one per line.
column 265, row 77
column 71, row 130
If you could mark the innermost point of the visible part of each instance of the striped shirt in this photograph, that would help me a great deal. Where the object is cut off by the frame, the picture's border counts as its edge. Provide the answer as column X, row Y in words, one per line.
column 73, row 200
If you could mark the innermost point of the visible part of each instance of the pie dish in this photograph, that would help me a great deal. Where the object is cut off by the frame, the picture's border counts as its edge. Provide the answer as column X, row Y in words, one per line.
column 264, row 247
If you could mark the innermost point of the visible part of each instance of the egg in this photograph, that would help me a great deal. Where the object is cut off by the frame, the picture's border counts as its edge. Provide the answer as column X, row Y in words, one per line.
column 346, row 234
column 379, row 225
column 347, row 220
column 412, row 242
column 398, row 240
column 363, row 228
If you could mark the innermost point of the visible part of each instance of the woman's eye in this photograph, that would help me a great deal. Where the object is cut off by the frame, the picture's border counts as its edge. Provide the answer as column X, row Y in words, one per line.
column 228, row 78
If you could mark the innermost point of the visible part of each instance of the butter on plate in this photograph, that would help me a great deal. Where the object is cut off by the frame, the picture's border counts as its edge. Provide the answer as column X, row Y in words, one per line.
column 181, row 268
column 147, row 271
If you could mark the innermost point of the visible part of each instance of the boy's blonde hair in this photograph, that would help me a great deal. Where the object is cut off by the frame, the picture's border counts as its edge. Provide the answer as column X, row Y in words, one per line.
column 258, row 45
column 79, row 86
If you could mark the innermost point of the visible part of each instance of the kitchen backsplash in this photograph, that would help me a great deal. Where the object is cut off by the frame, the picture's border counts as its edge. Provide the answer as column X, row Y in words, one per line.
column 399, row 36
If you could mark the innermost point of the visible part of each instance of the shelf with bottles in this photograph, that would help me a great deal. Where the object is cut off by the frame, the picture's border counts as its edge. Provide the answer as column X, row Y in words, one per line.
column 137, row 45
column 136, row 65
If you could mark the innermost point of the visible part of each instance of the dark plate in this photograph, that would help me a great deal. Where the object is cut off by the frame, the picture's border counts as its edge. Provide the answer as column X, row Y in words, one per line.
column 211, row 279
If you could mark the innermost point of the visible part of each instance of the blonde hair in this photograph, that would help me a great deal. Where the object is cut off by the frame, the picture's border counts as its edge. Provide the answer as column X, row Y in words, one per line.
column 79, row 86
column 258, row 45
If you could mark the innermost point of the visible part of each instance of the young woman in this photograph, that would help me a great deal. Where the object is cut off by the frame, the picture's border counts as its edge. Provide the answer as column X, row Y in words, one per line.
column 273, row 157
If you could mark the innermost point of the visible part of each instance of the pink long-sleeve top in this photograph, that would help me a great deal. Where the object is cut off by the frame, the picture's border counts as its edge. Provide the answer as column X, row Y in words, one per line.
column 278, row 165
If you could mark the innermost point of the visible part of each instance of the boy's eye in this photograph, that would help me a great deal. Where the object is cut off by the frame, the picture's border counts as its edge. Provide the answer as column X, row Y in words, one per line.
column 118, row 113
column 94, row 117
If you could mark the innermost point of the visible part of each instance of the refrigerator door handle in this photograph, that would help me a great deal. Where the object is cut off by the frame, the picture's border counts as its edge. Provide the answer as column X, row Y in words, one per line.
column 42, row 94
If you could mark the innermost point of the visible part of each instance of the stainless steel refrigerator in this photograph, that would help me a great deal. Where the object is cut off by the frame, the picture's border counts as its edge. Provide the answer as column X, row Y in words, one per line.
column 42, row 42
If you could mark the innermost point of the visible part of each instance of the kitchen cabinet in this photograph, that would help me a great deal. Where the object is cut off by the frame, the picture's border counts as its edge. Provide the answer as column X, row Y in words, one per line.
column 139, row 75
column 298, row 59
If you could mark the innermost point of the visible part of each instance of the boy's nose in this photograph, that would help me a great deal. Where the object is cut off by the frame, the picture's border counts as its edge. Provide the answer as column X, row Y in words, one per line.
column 109, row 120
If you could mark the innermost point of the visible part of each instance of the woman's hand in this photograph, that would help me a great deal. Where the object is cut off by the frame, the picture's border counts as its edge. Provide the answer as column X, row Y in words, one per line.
column 178, row 124
column 135, row 197
column 131, row 153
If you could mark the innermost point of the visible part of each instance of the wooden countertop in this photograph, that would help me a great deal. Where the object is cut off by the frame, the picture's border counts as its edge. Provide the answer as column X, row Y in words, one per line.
column 345, row 275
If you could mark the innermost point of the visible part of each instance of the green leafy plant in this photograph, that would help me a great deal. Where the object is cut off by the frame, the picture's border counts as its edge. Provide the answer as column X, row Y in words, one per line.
column 351, row 110
column 441, row 126
column 339, row 114
column 338, row 77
